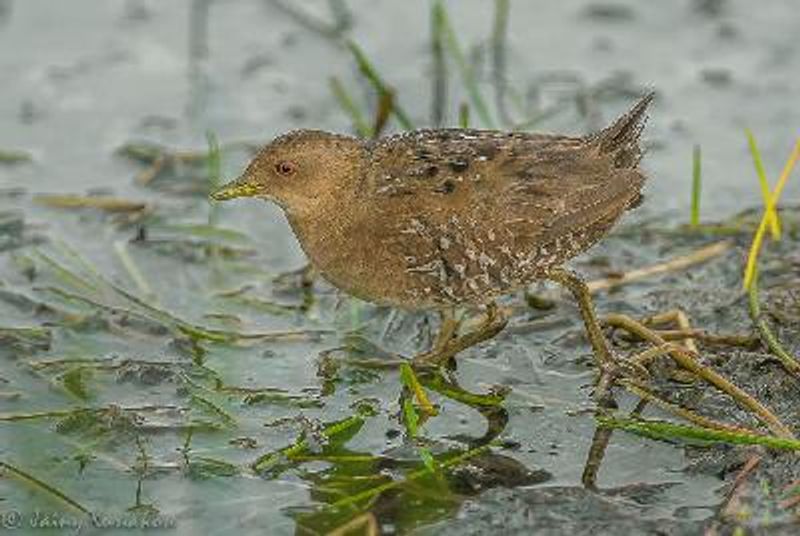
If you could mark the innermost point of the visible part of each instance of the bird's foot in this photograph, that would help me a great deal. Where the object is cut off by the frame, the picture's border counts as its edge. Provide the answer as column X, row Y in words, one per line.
column 624, row 367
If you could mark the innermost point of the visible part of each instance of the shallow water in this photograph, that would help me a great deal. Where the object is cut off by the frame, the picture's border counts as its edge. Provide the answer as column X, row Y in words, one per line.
column 82, row 78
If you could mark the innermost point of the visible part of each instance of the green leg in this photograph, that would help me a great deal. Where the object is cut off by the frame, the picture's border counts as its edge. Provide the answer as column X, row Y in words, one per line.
column 448, row 345
column 579, row 290
column 448, row 329
column 610, row 367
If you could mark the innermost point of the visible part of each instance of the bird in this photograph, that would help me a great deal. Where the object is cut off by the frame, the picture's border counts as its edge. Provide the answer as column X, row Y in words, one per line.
column 451, row 218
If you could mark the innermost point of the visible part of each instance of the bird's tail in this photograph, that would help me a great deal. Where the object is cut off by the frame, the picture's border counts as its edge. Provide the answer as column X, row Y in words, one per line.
column 620, row 140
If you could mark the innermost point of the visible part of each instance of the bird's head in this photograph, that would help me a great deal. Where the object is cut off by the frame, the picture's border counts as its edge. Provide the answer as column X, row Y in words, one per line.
column 298, row 169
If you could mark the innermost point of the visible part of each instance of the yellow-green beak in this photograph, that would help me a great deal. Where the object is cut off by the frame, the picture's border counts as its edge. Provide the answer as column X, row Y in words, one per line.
column 244, row 186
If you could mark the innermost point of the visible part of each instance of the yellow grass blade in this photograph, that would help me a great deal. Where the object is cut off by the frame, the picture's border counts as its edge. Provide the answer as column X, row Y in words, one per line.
column 755, row 247
column 410, row 379
column 774, row 221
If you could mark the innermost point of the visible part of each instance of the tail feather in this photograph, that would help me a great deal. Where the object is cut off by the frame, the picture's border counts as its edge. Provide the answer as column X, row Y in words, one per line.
column 620, row 140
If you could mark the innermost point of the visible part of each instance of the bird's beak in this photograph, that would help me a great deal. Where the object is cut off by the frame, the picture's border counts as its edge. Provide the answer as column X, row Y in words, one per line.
column 244, row 186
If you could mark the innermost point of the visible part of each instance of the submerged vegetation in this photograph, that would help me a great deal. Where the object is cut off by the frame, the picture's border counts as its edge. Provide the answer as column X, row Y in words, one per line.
column 159, row 361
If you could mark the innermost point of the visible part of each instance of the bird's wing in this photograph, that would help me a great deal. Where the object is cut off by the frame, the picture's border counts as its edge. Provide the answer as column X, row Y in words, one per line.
column 529, row 176
column 553, row 176
column 435, row 163
column 564, row 189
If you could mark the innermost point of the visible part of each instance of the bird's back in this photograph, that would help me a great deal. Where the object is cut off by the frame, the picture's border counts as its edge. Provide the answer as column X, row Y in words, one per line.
column 464, row 215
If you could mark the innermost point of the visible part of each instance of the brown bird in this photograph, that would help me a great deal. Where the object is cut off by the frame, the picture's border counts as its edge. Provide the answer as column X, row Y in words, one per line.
column 445, row 218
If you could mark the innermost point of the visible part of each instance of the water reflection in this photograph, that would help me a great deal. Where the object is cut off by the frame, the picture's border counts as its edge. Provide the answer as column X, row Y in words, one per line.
column 423, row 481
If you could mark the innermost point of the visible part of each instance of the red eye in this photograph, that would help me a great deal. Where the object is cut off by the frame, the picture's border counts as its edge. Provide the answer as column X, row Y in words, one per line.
column 285, row 168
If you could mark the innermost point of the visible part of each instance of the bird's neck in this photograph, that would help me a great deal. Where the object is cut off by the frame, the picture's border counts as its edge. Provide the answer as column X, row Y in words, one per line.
column 330, row 234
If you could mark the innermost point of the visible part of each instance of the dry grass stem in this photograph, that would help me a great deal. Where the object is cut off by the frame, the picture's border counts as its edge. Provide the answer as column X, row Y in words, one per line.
column 690, row 362
column 673, row 265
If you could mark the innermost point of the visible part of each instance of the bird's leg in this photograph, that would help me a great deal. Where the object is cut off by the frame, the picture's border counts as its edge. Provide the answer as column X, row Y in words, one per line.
column 493, row 323
column 573, row 282
column 610, row 366
column 448, row 328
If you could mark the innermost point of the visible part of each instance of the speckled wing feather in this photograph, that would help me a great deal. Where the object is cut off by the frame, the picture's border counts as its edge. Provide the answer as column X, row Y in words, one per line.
column 424, row 162
column 477, row 213
column 537, row 183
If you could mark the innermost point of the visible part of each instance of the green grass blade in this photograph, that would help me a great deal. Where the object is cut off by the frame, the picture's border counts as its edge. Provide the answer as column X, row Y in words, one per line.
column 502, row 9
column 14, row 157
column 697, row 179
column 121, row 249
column 203, row 231
column 349, row 106
column 463, row 115
column 345, row 427
column 213, row 408
column 410, row 417
column 371, row 74
column 44, row 486
column 773, row 219
column 67, row 276
column 466, row 70
column 758, row 238
column 410, row 380
column 454, row 392
column 455, row 461
column 439, row 101
column 427, row 459
column 663, row 430
column 791, row 363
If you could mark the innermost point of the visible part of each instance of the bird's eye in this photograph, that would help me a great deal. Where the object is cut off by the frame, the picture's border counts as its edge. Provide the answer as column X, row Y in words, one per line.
column 285, row 168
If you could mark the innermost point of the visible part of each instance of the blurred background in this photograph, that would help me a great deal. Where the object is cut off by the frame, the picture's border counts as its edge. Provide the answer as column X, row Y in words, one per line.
column 156, row 359
column 80, row 78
